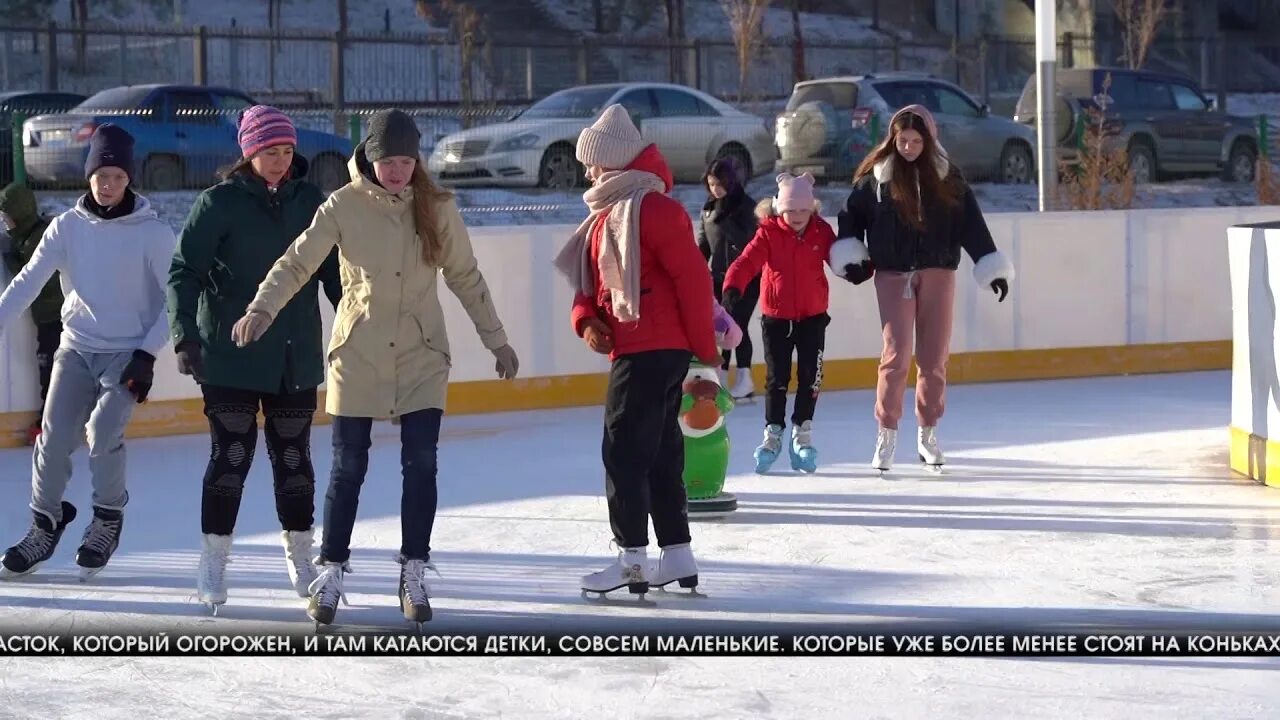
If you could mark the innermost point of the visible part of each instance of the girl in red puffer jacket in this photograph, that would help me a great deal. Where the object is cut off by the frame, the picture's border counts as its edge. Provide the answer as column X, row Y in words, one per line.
column 791, row 246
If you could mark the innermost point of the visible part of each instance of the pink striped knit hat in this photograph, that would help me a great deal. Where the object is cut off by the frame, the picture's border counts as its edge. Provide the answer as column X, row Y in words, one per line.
column 263, row 126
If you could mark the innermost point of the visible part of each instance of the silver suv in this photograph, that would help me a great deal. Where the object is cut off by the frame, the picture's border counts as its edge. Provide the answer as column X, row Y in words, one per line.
column 830, row 125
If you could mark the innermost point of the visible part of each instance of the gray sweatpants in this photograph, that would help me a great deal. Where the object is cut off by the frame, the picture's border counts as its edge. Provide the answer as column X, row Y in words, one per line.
column 84, row 393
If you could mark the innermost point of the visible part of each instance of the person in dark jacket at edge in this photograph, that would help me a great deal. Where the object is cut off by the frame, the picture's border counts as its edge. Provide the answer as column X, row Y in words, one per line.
column 21, row 217
column 233, row 236
column 916, row 213
column 643, row 297
column 728, row 223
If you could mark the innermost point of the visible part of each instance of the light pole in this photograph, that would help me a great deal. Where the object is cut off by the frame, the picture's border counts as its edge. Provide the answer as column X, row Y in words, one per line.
column 1046, row 64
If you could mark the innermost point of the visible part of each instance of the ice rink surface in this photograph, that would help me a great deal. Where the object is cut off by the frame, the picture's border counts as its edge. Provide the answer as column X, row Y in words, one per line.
column 1099, row 503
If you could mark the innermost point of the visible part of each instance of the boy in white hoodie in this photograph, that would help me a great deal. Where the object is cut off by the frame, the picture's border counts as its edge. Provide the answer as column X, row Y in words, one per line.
column 113, row 254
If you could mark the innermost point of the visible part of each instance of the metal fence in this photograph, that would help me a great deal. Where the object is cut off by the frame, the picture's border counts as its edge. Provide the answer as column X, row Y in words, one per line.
column 330, row 81
column 339, row 70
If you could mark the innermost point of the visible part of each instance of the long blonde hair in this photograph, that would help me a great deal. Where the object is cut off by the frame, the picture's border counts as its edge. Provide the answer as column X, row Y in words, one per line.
column 425, row 195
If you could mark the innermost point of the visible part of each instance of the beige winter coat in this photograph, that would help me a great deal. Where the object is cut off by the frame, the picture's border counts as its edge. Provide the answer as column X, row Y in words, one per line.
column 389, row 353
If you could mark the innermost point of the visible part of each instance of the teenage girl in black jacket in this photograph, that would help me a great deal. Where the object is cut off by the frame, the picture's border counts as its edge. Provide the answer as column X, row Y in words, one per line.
column 917, row 216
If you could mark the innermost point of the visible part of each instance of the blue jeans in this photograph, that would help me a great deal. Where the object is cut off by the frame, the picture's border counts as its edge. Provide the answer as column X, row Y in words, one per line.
column 419, row 436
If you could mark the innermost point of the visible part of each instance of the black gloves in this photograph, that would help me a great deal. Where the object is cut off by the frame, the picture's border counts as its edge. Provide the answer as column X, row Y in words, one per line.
column 191, row 360
column 729, row 297
column 139, row 374
column 1000, row 287
column 859, row 273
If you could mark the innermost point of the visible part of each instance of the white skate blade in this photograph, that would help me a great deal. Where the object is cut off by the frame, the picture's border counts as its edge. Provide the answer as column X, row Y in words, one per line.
column 932, row 469
column 603, row 598
column 690, row 594
column 211, row 606
column 87, row 574
column 686, row 587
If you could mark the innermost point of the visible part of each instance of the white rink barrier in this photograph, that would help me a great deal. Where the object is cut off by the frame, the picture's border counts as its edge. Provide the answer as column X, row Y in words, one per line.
column 1096, row 293
column 1254, row 252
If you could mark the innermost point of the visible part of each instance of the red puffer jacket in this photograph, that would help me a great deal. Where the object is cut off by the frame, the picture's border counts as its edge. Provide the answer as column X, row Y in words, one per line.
column 676, row 302
column 794, row 283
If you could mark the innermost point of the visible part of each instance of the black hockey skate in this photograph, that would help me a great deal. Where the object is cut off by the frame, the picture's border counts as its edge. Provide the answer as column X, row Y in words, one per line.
column 326, row 592
column 101, row 539
column 415, row 594
column 41, row 540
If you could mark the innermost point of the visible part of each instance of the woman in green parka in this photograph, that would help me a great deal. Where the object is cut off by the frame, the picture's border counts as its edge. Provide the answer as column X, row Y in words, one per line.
column 25, row 225
column 234, row 234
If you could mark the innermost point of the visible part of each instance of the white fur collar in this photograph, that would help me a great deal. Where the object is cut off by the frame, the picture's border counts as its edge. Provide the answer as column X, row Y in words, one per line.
column 884, row 169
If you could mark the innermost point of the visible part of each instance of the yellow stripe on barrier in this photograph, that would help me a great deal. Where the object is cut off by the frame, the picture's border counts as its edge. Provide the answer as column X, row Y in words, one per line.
column 179, row 417
column 1255, row 457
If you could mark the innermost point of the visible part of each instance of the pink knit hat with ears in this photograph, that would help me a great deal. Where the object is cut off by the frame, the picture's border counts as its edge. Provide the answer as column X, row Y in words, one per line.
column 794, row 193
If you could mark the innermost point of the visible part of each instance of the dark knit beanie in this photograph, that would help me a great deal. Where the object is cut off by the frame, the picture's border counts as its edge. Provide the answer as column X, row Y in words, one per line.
column 392, row 133
column 110, row 146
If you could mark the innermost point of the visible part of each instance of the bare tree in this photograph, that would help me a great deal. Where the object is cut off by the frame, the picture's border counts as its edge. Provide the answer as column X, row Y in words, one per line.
column 1102, row 178
column 675, row 36
column 80, row 20
column 745, row 18
column 467, row 26
column 1139, row 22
column 798, row 69
column 674, row 10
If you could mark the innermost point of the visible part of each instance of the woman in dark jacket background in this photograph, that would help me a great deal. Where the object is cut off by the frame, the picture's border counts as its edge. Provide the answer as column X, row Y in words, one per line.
column 917, row 216
column 728, row 224
column 235, row 233
column 21, row 216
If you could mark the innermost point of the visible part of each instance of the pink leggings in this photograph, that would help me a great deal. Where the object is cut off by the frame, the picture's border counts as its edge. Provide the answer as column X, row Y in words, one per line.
column 919, row 303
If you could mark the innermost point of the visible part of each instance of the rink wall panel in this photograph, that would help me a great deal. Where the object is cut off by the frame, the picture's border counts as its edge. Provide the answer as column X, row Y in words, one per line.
column 1254, row 259
column 1096, row 293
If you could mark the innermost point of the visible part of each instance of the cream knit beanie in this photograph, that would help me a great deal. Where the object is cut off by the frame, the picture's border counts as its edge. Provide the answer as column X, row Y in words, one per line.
column 612, row 142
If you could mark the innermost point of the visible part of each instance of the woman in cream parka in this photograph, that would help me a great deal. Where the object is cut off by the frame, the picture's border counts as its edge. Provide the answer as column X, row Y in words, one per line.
column 389, row 353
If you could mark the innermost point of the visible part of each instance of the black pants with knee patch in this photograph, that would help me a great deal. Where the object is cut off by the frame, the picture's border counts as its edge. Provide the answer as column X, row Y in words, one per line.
column 233, row 430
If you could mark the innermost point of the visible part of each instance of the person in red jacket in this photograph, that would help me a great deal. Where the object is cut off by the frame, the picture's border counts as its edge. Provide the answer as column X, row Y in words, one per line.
column 643, row 297
column 791, row 245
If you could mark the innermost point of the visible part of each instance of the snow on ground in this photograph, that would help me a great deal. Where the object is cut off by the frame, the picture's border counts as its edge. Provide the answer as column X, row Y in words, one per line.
column 771, row 72
column 362, row 16
column 1100, row 502
column 709, row 20
column 1254, row 104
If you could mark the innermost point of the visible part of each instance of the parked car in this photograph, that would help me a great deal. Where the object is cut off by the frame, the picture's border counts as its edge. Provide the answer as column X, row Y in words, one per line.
column 1163, row 120
column 184, row 135
column 830, row 125
column 536, row 147
column 27, row 104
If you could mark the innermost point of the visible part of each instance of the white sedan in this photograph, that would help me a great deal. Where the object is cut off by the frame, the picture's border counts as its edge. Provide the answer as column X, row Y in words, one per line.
column 536, row 148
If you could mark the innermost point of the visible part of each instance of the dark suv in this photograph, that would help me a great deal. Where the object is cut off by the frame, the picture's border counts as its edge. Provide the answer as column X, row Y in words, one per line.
column 1164, row 121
